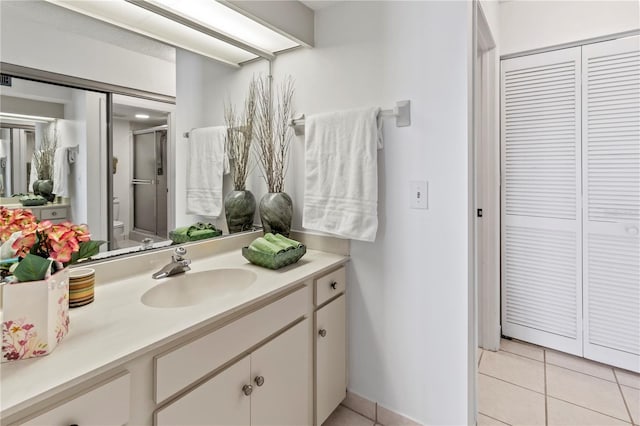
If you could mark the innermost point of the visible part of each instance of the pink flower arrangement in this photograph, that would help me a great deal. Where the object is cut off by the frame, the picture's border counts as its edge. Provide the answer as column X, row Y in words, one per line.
column 64, row 242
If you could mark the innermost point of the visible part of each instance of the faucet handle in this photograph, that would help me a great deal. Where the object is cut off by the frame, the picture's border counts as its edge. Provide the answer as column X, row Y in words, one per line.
column 179, row 252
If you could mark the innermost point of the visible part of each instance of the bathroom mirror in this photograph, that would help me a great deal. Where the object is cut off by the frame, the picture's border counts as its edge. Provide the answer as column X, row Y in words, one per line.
column 139, row 172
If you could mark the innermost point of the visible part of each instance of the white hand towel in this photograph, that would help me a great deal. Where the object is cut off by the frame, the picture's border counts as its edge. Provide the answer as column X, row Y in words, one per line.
column 61, row 172
column 341, row 184
column 206, row 165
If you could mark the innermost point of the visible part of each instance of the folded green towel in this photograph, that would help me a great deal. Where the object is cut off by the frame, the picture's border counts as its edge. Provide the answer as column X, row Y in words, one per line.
column 277, row 241
column 290, row 242
column 197, row 231
column 262, row 245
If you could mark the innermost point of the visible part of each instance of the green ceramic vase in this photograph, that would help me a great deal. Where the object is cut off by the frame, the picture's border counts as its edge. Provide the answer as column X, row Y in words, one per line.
column 276, row 211
column 239, row 209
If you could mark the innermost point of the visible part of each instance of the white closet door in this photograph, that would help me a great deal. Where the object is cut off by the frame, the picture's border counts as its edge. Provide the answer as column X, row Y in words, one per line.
column 611, row 179
column 541, row 211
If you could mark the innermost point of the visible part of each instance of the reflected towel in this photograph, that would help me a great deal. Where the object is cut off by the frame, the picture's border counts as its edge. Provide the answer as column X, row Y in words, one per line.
column 206, row 165
column 33, row 176
column 341, row 185
column 61, row 172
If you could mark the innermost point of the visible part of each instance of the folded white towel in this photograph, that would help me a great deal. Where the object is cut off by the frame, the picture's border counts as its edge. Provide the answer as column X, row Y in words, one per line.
column 341, row 185
column 61, row 172
column 206, row 165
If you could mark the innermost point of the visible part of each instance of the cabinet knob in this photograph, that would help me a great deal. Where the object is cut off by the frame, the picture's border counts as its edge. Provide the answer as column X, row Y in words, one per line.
column 333, row 285
column 322, row 332
column 247, row 389
column 55, row 214
column 259, row 380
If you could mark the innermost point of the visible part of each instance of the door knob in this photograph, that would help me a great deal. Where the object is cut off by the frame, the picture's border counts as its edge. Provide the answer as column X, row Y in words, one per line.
column 259, row 381
column 247, row 389
column 322, row 332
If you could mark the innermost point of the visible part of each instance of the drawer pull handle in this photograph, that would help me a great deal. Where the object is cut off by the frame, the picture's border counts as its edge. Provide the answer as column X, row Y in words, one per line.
column 259, row 381
column 333, row 285
column 54, row 213
column 247, row 389
column 322, row 332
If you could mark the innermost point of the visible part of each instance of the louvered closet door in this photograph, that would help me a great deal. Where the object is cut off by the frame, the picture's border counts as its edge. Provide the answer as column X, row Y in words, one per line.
column 541, row 216
column 611, row 180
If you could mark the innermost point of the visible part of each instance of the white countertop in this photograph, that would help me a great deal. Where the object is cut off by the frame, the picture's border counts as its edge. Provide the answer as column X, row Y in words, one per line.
column 118, row 327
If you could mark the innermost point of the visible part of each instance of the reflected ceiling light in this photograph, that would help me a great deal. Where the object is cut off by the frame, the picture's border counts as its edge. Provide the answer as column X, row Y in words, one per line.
column 25, row 118
column 205, row 27
column 142, row 116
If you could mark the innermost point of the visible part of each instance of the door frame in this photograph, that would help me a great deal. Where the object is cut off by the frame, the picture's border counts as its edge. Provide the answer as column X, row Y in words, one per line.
column 487, row 186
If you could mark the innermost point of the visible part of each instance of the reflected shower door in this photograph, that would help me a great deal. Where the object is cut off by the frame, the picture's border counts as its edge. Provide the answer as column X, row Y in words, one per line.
column 150, row 182
column 144, row 182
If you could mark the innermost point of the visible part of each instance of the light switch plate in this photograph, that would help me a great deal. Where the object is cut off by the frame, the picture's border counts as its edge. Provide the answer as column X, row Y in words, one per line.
column 419, row 195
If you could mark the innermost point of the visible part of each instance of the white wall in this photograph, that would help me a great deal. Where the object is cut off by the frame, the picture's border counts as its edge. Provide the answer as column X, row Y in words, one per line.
column 41, row 35
column 189, row 115
column 408, row 291
column 526, row 25
column 122, row 177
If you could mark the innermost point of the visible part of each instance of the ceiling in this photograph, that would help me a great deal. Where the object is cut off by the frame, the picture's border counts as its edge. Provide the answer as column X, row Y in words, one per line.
column 319, row 4
column 127, row 112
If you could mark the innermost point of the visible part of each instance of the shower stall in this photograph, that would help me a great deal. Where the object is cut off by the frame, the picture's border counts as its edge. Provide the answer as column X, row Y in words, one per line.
column 149, row 183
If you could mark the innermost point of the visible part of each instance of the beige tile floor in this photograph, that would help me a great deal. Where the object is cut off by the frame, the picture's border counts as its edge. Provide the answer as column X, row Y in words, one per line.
column 523, row 384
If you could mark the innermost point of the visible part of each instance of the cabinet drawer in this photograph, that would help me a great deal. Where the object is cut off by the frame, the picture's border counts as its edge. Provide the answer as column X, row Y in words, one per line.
column 179, row 368
column 107, row 404
column 53, row 213
column 330, row 285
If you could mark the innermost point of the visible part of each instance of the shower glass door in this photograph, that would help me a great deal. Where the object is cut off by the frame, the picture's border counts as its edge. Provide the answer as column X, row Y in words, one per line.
column 149, row 183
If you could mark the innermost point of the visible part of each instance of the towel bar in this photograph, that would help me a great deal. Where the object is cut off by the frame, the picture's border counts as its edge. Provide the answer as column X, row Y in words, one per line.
column 402, row 113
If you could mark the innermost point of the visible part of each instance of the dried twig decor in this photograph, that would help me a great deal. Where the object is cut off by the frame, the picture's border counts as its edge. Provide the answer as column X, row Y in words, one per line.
column 43, row 158
column 240, row 132
column 273, row 133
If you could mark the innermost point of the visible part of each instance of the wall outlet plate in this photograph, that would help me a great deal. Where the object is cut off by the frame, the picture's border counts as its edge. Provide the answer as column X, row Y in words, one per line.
column 418, row 194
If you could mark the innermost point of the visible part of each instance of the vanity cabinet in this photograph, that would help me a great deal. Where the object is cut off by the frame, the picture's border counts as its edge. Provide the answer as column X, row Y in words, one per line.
column 104, row 404
column 267, row 387
column 330, row 343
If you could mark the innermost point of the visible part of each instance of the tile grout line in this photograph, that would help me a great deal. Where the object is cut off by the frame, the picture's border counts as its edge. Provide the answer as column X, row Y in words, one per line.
column 631, row 419
column 480, row 358
column 520, row 355
column 588, row 409
column 582, row 372
column 498, row 420
column 355, row 412
column 511, row 383
column 546, row 396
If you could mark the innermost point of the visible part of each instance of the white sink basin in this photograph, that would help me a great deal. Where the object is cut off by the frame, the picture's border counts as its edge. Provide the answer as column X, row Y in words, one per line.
column 192, row 288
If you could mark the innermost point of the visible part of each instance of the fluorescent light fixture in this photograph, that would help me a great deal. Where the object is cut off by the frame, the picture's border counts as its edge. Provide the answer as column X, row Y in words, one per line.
column 142, row 116
column 25, row 118
column 205, row 27
column 221, row 18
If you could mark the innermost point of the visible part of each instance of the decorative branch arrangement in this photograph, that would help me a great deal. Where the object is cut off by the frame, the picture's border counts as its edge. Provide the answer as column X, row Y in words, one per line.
column 240, row 133
column 273, row 133
column 43, row 158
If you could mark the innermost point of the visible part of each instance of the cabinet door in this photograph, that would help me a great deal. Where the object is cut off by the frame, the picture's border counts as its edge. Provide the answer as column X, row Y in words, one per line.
column 218, row 401
column 331, row 358
column 280, row 379
column 611, row 176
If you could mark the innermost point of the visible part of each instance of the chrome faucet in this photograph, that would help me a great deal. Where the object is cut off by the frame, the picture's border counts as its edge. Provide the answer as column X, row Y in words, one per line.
column 178, row 265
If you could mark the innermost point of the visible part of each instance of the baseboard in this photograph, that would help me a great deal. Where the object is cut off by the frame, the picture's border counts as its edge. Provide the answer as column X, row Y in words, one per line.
column 376, row 412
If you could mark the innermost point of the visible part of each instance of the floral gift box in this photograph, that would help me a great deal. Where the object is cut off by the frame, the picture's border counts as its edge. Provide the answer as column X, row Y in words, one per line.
column 34, row 259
